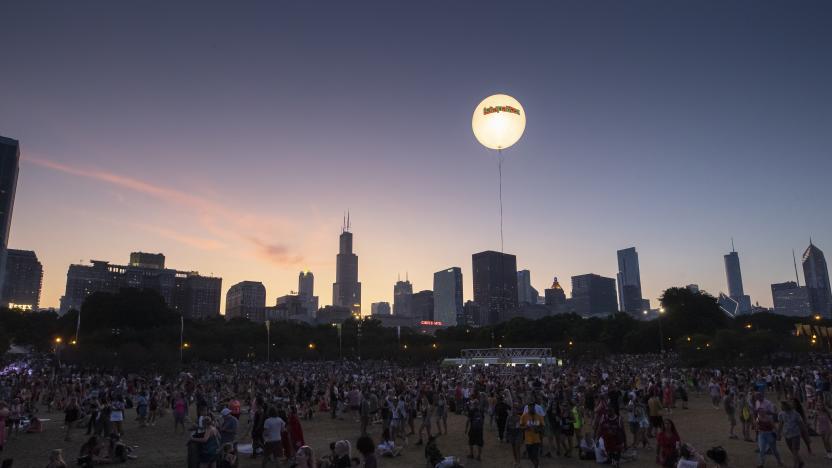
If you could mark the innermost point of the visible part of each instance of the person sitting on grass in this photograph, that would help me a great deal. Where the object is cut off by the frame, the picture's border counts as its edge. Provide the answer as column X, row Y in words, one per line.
column 304, row 458
column 90, row 453
column 228, row 458
column 587, row 447
column 118, row 451
column 432, row 453
column 56, row 459
column 387, row 447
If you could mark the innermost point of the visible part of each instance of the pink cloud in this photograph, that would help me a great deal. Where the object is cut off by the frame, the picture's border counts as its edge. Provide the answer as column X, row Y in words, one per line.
column 214, row 218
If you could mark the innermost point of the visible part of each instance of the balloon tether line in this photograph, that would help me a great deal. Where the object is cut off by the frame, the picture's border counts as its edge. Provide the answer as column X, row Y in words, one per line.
column 500, row 176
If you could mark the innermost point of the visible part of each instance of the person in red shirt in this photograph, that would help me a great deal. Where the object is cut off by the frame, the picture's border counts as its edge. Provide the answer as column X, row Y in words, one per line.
column 295, row 429
column 667, row 445
column 612, row 431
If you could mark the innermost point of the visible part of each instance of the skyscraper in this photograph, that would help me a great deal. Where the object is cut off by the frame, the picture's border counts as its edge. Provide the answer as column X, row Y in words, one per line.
column 447, row 296
column 380, row 308
column 791, row 299
column 816, row 277
column 306, row 284
column 24, row 277
column 186, row 292
column 306, row 293
column 423, row 305
column 246, row 299
column 525, row 292
column 629, row 282
column 734, row 276
column 346, row 291
column 555, row 297
column 495, row 285
column 403, row 298
column 593, row 295
column 9, row 160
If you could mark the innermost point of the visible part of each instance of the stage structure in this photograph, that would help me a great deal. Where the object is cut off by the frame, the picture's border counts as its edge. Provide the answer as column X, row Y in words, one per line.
column 506, row 357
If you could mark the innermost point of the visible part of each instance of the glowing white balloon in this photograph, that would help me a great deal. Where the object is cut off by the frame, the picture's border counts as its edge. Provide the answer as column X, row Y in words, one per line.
column 498, row 121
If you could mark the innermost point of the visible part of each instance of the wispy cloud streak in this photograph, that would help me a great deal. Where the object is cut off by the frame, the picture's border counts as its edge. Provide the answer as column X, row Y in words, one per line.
column 222, row 223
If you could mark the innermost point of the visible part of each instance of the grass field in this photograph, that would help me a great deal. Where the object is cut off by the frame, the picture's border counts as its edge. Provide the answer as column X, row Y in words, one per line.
column 702, row 426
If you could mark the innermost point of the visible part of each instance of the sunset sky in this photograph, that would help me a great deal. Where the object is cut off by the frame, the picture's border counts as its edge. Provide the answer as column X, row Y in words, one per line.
column 232, row 137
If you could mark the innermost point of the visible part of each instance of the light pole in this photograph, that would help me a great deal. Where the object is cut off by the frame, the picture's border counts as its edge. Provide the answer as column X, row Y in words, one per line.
column 58, row 341
column 340, row 352
column 268, row 342
column 358, row 334
column 661, row 334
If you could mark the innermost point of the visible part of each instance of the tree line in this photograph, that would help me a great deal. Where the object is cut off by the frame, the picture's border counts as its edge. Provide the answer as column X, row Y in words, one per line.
column 135, row 329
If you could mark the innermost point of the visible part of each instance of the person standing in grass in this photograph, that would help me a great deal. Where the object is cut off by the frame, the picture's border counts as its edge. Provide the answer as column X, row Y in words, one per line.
column 791, row 429
column 72, row 413
column 533, row 426
column 729, row 402
column 474, row 427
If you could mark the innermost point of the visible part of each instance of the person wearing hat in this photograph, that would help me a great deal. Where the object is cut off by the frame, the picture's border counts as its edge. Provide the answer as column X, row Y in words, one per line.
column 228, row 427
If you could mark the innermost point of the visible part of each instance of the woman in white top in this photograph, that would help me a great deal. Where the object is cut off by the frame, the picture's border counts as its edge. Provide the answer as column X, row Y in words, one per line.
column 117, row 415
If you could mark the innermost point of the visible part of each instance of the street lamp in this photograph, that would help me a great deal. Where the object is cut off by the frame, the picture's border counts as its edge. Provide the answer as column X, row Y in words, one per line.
column 340, row 352
column 661, row 333
column 58, row 341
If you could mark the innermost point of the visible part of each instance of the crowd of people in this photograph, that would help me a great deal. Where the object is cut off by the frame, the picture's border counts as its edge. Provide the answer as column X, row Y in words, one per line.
column 608, row 412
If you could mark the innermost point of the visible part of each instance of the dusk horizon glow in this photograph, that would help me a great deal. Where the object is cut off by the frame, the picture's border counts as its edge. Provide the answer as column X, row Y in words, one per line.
column 233, row 140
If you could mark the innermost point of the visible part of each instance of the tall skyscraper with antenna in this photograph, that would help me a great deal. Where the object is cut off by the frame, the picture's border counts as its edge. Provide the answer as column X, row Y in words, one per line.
column 346, row 291
column 403, row 297
column 734, row 276
column 816, row 277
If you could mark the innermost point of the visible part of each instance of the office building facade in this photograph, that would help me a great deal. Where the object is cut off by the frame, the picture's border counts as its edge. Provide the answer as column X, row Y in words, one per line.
column 186, row 292
column 24, row 279
column 306, row 293
column 9, row 167
column 246, row 299
column 447, row 296
column 526, row 293
column 735, row 290
column 816, row 277
column 630, row 298
column 423, row 305
column 346, row 291
column 495, row 285
column 555, row 297
column 593, row 295
column 790, row 299
column 380, row 308
column 403, row 298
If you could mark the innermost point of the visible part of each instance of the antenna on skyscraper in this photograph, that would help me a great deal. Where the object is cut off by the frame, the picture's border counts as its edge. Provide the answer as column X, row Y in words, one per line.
column 732, row 245
column 794, row 259
column 348, row 220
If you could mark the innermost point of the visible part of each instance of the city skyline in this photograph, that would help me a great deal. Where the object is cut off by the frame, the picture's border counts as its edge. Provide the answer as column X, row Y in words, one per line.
column 255, row 192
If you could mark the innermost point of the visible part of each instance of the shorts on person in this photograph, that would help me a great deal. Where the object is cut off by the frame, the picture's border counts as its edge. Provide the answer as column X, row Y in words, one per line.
column 273, row 447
